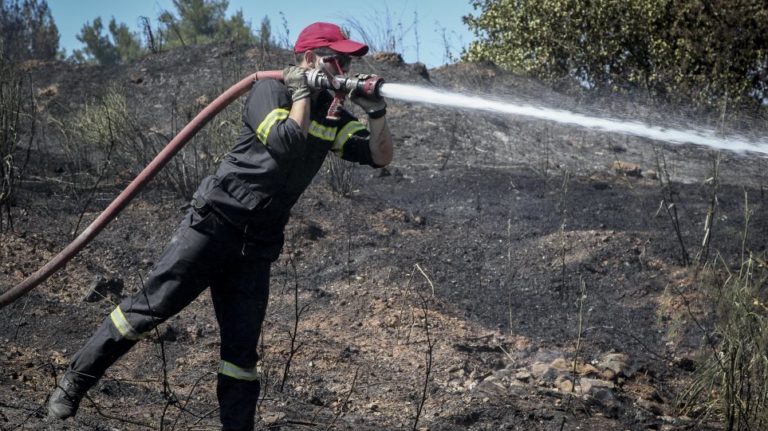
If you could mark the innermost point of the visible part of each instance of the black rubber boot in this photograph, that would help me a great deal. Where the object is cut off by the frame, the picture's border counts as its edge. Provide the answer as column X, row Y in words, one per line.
column 65, row 399
column 237, row 402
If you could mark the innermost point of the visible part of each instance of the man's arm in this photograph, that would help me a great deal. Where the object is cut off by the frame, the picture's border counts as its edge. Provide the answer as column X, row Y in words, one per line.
column 382, row 149
column 300, row 114
column 295, row 79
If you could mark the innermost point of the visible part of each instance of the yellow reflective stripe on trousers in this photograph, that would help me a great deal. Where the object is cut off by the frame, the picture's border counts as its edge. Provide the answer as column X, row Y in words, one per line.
column 262, row 132
column 231, row 370
column 122, row 325
column 322, row 132
column 346, row 132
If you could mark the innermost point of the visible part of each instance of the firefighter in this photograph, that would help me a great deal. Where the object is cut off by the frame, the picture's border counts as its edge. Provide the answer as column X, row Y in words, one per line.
column 234, row 228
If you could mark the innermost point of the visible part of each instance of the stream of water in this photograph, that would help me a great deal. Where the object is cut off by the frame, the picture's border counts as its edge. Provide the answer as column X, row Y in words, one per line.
column 706, row 137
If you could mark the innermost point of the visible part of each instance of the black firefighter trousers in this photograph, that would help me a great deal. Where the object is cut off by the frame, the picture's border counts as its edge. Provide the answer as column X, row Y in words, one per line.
column 203, row 252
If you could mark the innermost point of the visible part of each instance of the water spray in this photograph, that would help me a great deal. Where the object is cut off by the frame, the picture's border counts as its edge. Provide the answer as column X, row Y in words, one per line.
column 705, row 137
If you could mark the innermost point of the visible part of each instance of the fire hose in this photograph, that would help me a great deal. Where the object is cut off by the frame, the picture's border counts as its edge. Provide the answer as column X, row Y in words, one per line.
column 341, row 86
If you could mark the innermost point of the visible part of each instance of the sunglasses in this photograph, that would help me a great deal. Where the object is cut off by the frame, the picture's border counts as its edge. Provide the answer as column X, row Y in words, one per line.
column 341, row 61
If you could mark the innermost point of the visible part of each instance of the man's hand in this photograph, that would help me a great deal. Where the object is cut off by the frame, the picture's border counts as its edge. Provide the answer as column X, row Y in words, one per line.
column 295, row 79
column 374, row 106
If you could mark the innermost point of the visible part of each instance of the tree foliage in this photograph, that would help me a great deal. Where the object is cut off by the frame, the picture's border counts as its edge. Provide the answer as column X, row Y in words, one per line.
column 193, row 22
column 686, row 49
column 118, row 45
column 204, row 21
column 27, row 30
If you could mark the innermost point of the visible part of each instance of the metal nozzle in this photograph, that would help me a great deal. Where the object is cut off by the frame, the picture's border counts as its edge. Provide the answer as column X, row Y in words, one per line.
column 369, row 86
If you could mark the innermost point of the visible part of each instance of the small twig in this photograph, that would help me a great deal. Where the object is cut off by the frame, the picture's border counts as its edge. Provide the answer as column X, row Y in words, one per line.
column 298, row 311
column 432, row 286
column 346, row 400
column 429, row 359
column 577, row 352
column 115, row 418
column 183, row 408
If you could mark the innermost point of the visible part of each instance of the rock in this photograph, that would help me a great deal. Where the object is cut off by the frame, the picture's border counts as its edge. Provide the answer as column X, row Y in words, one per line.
column 652, row 175
column 590, row 386
column 652, row 407
column 628, row 169
column 564, row 384
column 388, row 57
column 503, row 373
column 523, row 376
column 587, row 370
column 490, row 388
column 606, row 400
column 538, row 369
column 102, row 287
column 272, row 417
column 561, row 364
column 617, row 363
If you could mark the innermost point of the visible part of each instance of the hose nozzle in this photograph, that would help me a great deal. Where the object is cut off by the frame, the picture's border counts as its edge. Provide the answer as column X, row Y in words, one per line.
column 364, row 85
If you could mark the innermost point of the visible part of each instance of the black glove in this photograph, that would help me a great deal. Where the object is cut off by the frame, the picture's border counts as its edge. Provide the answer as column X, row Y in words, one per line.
column 295, row 79
column 374, row 106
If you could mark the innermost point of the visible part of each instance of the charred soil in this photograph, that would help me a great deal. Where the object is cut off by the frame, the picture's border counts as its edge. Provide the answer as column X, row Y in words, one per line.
column 500, row 274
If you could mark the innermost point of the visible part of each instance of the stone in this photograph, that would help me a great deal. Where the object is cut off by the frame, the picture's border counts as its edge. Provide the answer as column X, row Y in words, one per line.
column 523, row 376
column 490, row 388
column 617, row 363
column 607, row 401
column 561, row 364
column 503, row 373
column 539, row 369
column 564, row 384
column 102, row 287
column 590, row 386
column 628, row 169
column 272, row 417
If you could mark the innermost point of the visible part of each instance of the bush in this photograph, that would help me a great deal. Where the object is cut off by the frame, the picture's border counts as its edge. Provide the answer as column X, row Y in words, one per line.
column 107, row 139
column 702, row 51
column 732, row 383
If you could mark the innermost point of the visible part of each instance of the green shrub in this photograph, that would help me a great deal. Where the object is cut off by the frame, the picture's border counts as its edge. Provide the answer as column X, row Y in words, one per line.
column 689, row 49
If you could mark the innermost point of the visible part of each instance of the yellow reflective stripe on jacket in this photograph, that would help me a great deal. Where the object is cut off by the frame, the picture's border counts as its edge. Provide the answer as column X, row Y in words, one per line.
column 231, row 370
column 262, row 132
column 322, row 132
column 122, row 325
column 346, row 132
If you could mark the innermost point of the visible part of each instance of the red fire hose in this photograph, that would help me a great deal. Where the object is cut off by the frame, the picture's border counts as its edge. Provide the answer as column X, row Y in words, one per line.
column 136, row 185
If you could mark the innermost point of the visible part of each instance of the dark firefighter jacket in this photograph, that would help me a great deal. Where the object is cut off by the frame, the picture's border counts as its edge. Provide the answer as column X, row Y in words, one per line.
column 262, row 177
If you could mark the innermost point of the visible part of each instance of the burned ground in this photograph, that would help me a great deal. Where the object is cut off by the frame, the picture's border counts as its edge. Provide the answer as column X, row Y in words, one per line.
column 497, row 259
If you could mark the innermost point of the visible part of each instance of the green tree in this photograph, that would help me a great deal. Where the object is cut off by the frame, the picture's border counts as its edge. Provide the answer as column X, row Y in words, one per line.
column 685, row 49
column 265, row 34
column 236, row 28
column 123, row 45
column 98, row 47
column 127, row 43
column 27, row 30
column 203, row 21
column 200, row 19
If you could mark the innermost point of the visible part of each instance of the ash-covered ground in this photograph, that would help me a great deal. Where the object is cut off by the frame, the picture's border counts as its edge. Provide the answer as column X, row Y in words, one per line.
column 502, row 273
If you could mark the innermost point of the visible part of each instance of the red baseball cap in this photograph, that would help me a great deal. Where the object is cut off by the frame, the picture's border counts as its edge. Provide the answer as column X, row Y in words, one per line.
column 327, row 35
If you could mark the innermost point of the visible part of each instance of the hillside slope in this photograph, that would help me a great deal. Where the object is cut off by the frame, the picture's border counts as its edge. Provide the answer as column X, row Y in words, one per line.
column 496, row 262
